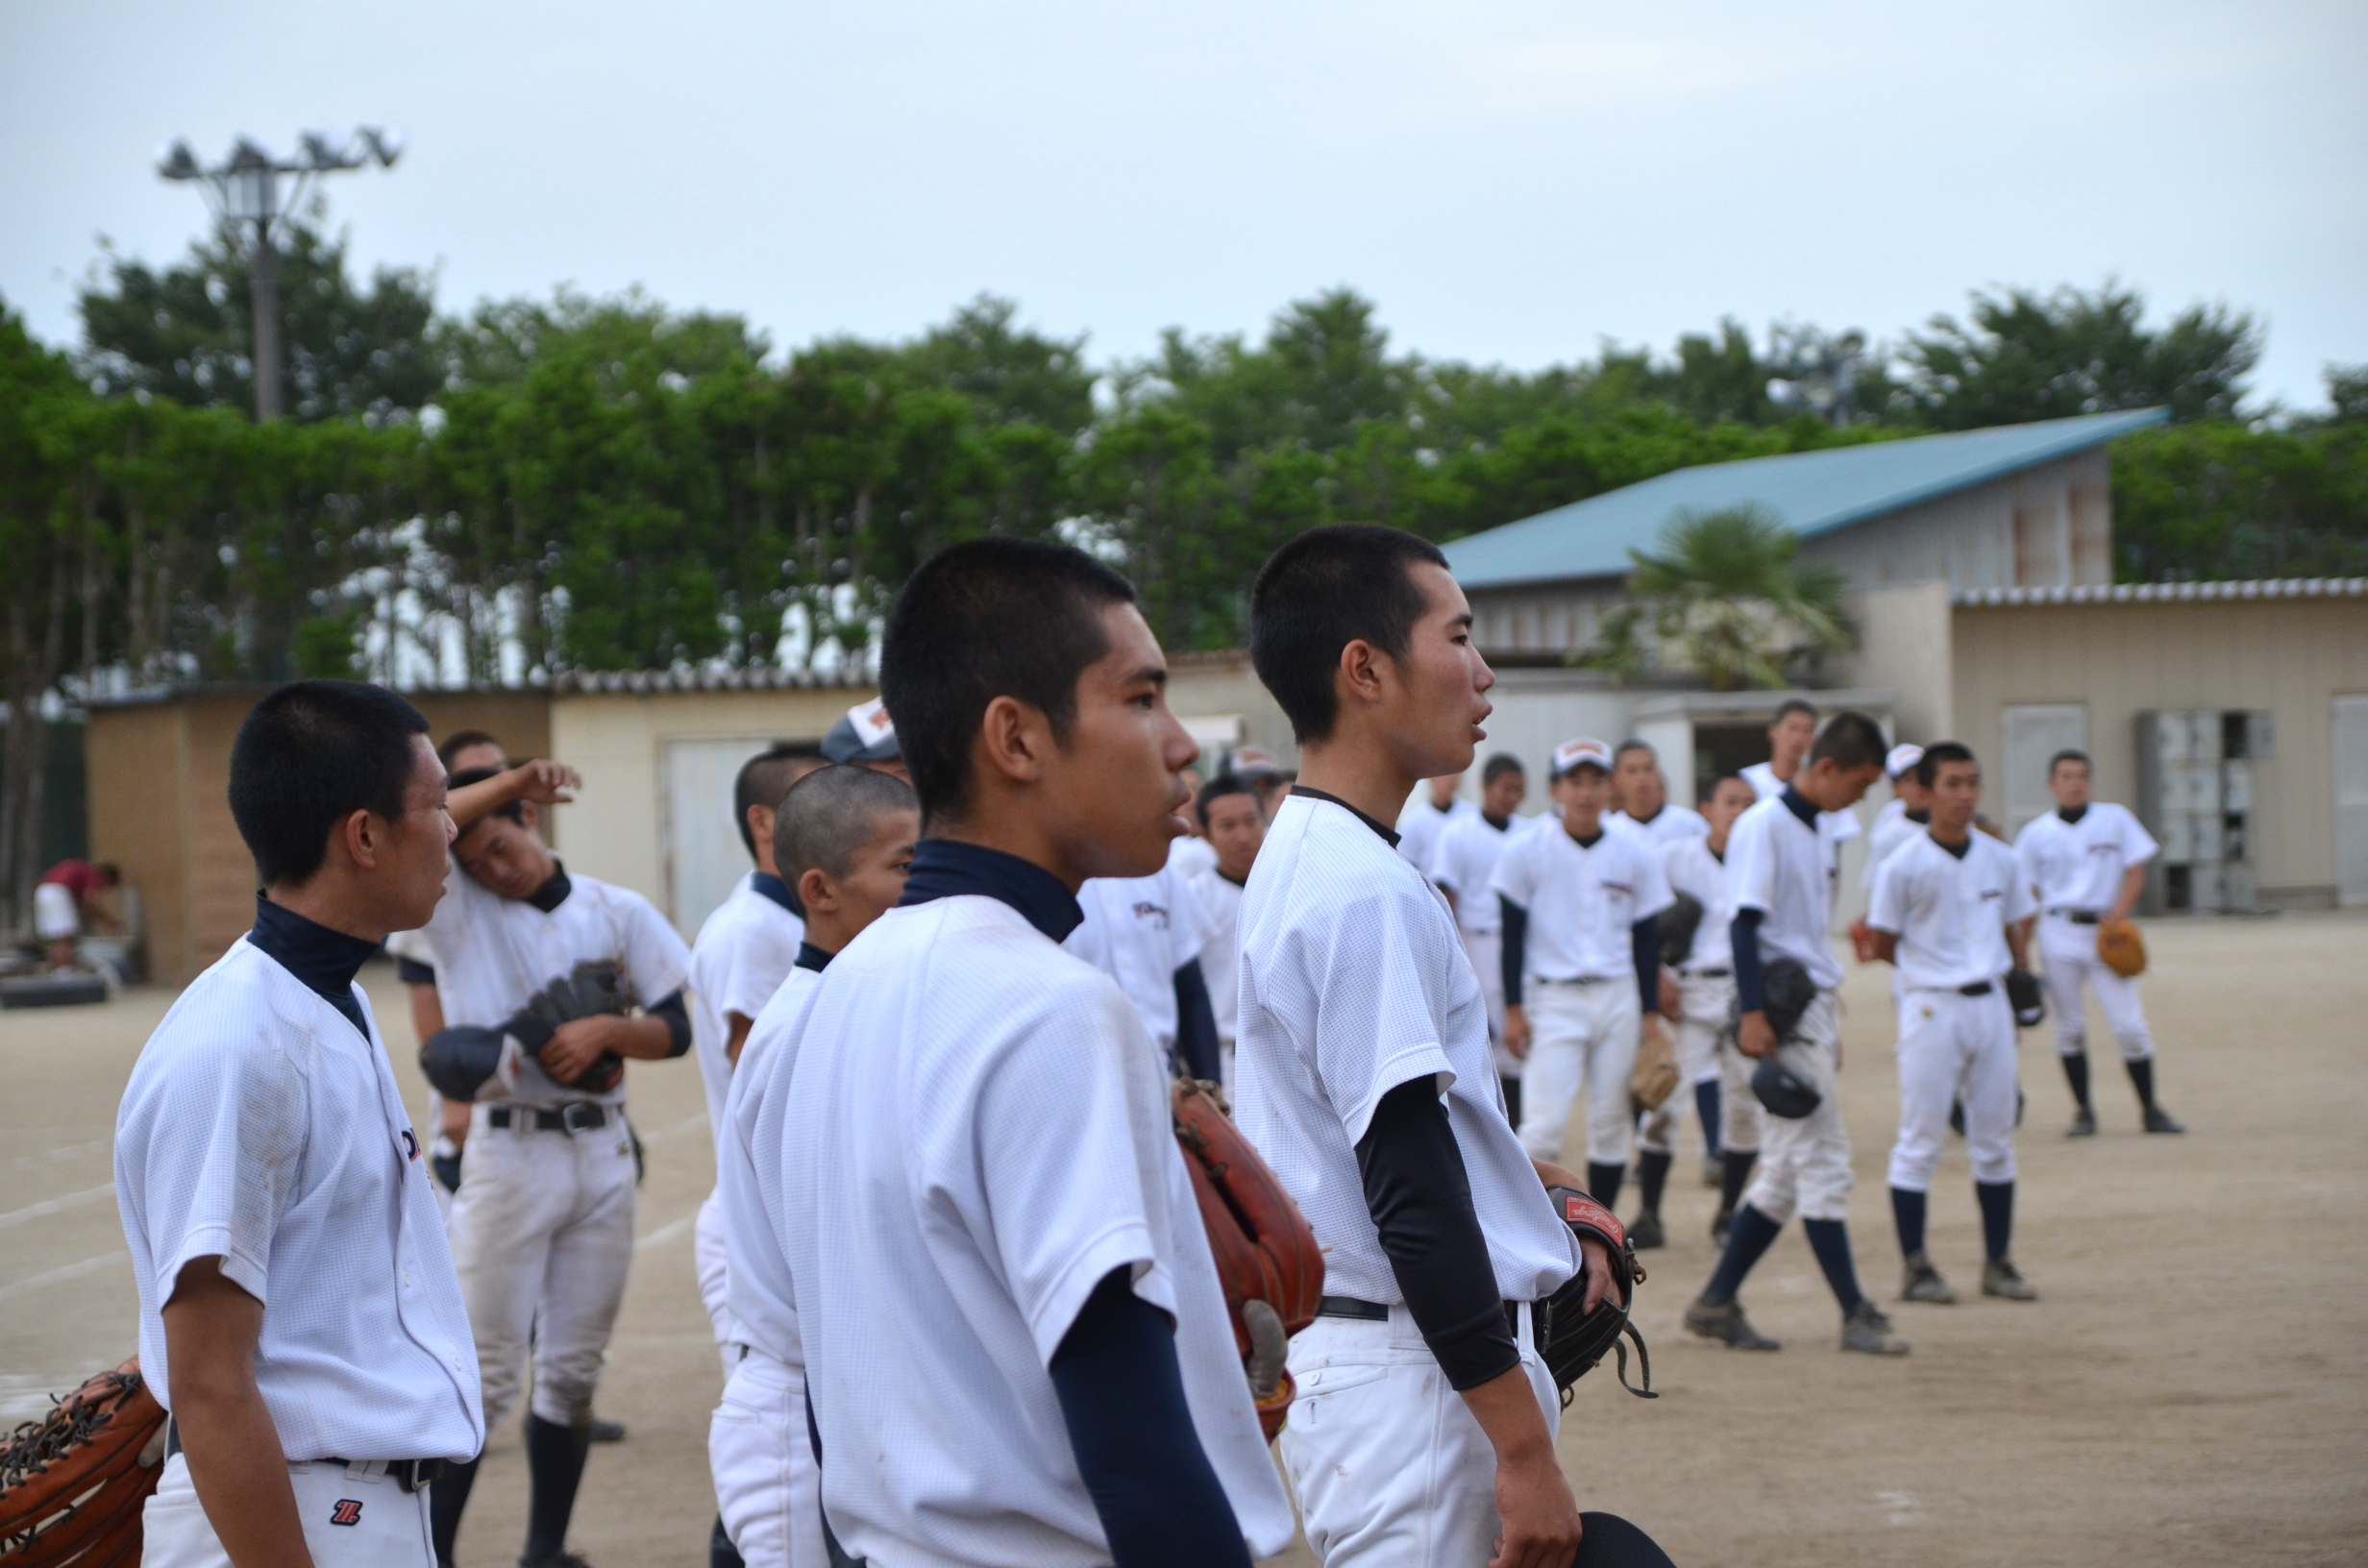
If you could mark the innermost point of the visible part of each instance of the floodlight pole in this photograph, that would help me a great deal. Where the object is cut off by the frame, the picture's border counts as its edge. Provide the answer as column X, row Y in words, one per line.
column 244, row 193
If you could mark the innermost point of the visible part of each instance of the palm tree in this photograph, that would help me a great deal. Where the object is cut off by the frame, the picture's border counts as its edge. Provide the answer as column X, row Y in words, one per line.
column 1728, row 599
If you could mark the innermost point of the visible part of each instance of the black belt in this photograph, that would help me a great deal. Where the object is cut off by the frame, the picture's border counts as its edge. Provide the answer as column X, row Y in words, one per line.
column 1980, row 987
column 2080, row 917
column 1373, row 1312
column 412, row 1475
column 1703, row 974
column 1578, row 980
column 576, row 1116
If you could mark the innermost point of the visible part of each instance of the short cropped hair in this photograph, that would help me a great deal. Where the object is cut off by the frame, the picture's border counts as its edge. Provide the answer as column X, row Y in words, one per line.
column 1852, row 739
column 459, row 741
column 2068, row 754
column 1329, row 587
column 1790, row 706
column 764, row 778
column 1633, row 744
column 1497, row 766
column 514, row 810
column 1927, row 767
column 1711, row 790
column 988, row 618
column 1215, row 790
column 309, row 755
column 829, row 813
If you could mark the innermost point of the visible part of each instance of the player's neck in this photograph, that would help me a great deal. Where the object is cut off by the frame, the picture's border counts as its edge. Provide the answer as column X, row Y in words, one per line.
column 1355, row 766
column 1952, row 835
column 333, row 900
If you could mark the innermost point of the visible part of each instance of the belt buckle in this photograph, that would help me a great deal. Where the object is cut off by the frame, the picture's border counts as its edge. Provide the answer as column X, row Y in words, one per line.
column 579, row 1116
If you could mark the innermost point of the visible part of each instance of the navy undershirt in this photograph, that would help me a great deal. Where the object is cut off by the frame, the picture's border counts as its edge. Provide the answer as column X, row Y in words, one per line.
column 766, row 885
column 2072, row 815
column 1390, row 835
column 948, row 867
column 325, row 961
column 1749, row 996
column 1800, row 806
column 811, row 957
column 554, row 892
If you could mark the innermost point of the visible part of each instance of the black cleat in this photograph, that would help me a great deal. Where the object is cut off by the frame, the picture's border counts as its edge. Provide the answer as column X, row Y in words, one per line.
column 1868, row 1331
column 607, row 1432
column 2084, row 1124
column 1923, row 1283
column 1644, row 1232
column 1721, row 1223
column 1727, row 1324
column 2160, row 1121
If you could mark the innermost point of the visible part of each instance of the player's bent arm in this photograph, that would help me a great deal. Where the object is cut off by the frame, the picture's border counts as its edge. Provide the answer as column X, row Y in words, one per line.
column 544, row 782
column 1753, row 1036
column 235, row 1460
column 2018, row 943
column 739, row 1026
column 2133, row 885
column 1882, row 944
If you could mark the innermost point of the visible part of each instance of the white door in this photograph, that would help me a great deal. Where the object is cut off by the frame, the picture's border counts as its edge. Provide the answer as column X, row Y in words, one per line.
column 2351, row 801
column 704, row 856
column 2034, row 733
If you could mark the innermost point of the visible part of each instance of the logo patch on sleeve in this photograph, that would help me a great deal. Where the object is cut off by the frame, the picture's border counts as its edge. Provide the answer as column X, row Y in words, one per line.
column 347, row 1511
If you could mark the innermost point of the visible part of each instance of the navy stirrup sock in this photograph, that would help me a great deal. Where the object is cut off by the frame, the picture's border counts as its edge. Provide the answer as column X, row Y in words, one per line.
column 1997, row 1201
column 555, row 1468
column 1706, row 1107
column 1603, row 1182
column 1652, row 1177
column 2076, row 1073
column 2142, row 1079
column 1734, row 1176
column 447, row 1497
column 1830, row 1240
column 1753, row 1234
column 1908, row 1213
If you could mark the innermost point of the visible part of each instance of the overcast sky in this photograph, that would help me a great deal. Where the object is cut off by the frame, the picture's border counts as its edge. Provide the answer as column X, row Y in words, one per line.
column 1512, row 182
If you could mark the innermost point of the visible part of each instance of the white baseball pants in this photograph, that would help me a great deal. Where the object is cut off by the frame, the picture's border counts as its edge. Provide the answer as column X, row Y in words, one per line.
column 56, row 916
column 1740, row 1115
column 542, row 1233
column 767, row 1487
column 1952, row 1045
column 1705, row 1001
column 712, row 1258
column 1805, row 1164
column 2070, row 954
column 350, row 1521
column 1388, row 1465
column 1580, row 1037
column 1485, row 950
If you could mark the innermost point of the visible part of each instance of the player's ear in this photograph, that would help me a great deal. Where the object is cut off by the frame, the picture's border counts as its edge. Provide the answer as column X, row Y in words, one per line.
column 360, row 836
column 1014, row 740
column 528, row 816
column 815, row 890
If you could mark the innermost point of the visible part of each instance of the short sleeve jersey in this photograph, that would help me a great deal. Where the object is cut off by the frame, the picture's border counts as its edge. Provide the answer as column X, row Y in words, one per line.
column 748, row 1172
column 1950, row 912
column 1583, row 899
column 1782, row 866
column 2079, row 865
column 1668, row 824
column 1140, row 930
column 1695, row 871
column 1220, row 898
column 493, row 953
column 1353, row 982
column 745, row 950
column 259, row 1126
column 977, row 1132
column 1893, row 829
column 1188, row 857
column 1467, row 856
column 1421, row 824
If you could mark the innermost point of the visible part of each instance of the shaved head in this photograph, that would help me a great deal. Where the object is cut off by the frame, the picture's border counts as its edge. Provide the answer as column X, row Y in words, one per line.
column 831, row 813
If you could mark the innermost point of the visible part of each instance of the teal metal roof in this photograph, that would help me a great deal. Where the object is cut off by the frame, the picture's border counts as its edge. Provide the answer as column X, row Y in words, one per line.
column 1813, row 491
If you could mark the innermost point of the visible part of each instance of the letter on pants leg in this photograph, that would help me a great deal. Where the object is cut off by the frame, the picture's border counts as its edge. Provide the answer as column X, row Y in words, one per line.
column 387, row 1526
column 766, row 1487
column 584, row 1283
column 1550, row 1077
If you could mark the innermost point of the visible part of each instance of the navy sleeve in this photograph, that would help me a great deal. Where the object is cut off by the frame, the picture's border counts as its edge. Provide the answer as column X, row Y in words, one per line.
column 1420, row 1199
column 1122, row 1399
column 1514, row 952
column 1195, row 1022
column 1749, row 996
column 677, row 1023
column 1646, row 935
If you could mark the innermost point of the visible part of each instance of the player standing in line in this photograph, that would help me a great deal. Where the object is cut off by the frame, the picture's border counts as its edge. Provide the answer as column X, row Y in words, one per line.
column 1422, row 822
column 542, row 1227
column 1008, row 1307
column 1146, row 933
column 1640, row 792
column 1789, row 737
column 1904, row 816
column 1581, row 906
column 1462, row 866
column 2087, row 861
column 1697, row 867
column 844, row 838
column 1781, row 871
column 866, row 737
column 1234, row 827
column 1425, row 1429
column 298, row 1310
column 1951, row 910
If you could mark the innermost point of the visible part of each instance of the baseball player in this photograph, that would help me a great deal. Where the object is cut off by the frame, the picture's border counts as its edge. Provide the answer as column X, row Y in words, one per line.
column 867, row 736
column 1146, row 933
column 1904, row 816
column 844, row 840
column 542, row 1227
column 1779, row 872
column 1789, row 737
column 1233, row 827
column 1010, row 1315
column 1950, row 911
column 1255, row 765
column 1425, row 1428
column 1696, row 866
column 1422, row 822
column 1640, row 796
column 67, row 892
column 1465, row 859
column 1191, row 855
column 1581, row 964
column 2087, row 861
column 299, row 1314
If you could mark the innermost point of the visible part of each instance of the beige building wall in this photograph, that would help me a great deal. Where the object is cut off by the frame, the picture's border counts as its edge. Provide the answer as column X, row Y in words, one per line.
column 1905, row 647
column 2048, row 526
column 1206, row 687
column 2291, row 656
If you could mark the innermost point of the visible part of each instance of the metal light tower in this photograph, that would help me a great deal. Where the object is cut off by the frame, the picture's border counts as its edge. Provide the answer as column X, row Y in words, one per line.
column 246, row 190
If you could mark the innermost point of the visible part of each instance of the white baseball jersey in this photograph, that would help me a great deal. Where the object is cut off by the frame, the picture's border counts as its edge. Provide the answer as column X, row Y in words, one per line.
column 1695, row 871
column 1671, row 823
column 492, row 953
column 1950, row 912
column 1220, row 898
column 1189, row 856
column 1782, row 865
column 1836, row 826
column 1466, row 858
column 1583, row 899
column 977, row 1132
column 259, row 1126
column 1893, row 829
column 1140, row 930
column 2079, row 865
column 1420, row 825
column 1353, row 982
column 748, row 1167
column 745, row 950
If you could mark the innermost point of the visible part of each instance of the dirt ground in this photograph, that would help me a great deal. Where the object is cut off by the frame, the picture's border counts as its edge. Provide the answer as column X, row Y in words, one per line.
column 2192, row 1387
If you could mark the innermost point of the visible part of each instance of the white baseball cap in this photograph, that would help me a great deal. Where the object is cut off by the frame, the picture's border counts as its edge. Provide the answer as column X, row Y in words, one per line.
column 864, row 734
column 1901, row 758
column 1585, row 748
column 1253, row 762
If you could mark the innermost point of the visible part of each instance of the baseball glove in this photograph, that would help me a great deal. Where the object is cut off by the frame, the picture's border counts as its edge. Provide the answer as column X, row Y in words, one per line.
column 1783, row 1091
column 1267, row 1262
column 2120, row 948
column 1785, row 992
column 1571, row 1340
column 591, row 988
column 2023, row 994
column 1654, row 1078
column 1678, row 924
column 72, row 1484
